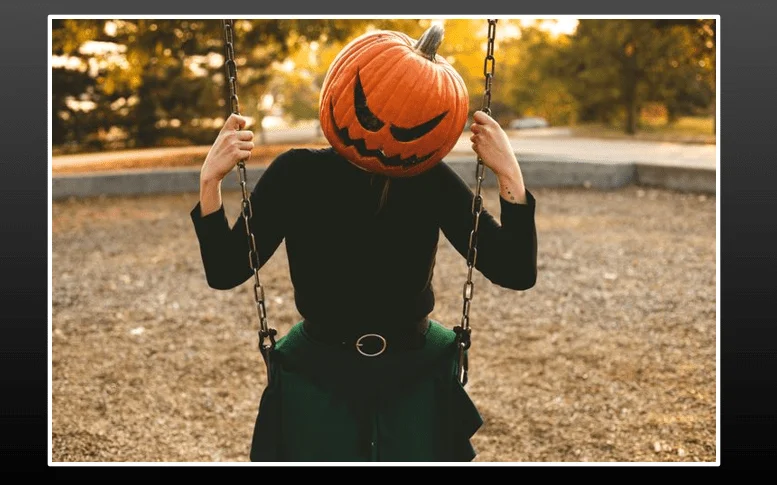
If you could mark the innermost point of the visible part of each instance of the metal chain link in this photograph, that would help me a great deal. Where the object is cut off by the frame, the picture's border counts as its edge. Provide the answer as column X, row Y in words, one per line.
column 246, row 210
column 463, row 331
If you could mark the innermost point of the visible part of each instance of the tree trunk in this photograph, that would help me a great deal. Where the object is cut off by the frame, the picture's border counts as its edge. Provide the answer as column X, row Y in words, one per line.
column 632, row 111
column 630, row 77
column 630, row 94
column 714, row 120
column 671, row 115
column 147, row 131
column 631, row 119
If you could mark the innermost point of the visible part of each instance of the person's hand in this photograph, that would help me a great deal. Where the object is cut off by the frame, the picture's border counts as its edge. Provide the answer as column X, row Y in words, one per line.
column 492, row 145
column 232, row 145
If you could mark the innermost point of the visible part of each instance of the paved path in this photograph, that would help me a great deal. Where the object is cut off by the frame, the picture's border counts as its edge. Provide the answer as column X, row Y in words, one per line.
column 609, row 151
column 550, row 144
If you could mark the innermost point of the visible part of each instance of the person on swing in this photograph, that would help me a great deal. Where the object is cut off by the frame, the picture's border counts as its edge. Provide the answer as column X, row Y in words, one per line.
column 367, row 375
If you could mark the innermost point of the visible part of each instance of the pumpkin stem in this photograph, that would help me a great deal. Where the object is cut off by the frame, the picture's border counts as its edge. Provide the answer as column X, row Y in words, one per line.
column 429, row 42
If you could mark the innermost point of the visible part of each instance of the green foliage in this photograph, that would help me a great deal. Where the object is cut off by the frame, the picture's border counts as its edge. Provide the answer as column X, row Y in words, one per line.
column 613, row 67
column 298, row 89
column 537, row 86
column 160, row 78
column 154, row 81
column 610, row 68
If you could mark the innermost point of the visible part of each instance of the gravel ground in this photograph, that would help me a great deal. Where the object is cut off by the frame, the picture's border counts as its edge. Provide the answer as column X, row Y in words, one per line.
column 610, row 357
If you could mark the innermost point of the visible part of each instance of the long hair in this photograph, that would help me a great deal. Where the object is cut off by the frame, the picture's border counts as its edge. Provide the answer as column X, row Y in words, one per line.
column 383, row 182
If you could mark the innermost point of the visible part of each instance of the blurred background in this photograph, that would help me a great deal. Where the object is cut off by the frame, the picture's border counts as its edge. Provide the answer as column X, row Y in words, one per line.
column 158, row 83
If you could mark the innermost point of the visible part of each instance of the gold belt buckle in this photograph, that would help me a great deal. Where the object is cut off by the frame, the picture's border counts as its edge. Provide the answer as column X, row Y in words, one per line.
column 359, row 344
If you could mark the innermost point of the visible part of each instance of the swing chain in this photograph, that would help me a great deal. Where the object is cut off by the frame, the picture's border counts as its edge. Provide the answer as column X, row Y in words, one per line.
column 463, row 331
column 488, row 66
column 246, row 211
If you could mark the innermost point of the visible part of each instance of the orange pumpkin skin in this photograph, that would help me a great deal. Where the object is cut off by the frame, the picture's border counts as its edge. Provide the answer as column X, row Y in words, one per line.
column 390, row 108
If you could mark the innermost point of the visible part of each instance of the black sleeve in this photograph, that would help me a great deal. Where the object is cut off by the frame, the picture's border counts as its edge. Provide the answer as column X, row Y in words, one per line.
column 225, row 250
column 506, row 253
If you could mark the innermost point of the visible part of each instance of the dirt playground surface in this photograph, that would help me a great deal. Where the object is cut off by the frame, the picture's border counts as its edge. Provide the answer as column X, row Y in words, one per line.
column 610, row 357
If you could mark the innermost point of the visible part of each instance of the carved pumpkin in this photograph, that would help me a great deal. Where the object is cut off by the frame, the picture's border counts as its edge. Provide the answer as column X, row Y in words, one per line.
column 391, row 105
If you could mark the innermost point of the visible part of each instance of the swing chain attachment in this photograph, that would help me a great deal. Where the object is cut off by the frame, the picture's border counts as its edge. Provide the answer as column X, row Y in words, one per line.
column 265, row 333
column 464, row 331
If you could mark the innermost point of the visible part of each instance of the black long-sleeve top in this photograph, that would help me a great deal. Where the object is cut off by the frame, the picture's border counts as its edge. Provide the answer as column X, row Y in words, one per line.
column 348, row 263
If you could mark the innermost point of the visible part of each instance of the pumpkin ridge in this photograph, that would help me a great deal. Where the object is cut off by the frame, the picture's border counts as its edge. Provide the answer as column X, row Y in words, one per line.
column 379, row 74
column 385, row 105
column 340, row 63
column 447, row 92
column 401, row 36
column 462, row 106
column 349, row 115
column 353, row 61
column 359, row 45
column 402, row 103
column 442, row 105
column 347, row 61
column 435, row 79
column 462, row 98
column 422, row 108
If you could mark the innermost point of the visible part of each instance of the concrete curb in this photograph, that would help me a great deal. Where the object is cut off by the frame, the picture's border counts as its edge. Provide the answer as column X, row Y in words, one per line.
column 537, row 171
column 686, row 179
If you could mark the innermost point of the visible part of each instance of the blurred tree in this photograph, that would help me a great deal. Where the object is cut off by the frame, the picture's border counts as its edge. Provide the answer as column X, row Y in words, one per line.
column 614, row 66
column 298, row 83
column 537, row 86
column 684, row 77
column 158, row 78
column 76, row 99
column 464, row 46
column 299, row 80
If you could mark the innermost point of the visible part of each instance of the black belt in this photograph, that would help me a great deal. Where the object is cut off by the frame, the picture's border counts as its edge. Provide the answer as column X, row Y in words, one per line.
column 372, row 340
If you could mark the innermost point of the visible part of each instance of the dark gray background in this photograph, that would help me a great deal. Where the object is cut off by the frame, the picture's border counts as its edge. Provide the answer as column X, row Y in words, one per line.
column 747, row 198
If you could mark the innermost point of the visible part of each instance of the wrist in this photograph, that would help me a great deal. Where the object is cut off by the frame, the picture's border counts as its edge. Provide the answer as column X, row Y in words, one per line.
column 511, row 187
column 208, row 180
column 512, row 174
column 210, row 196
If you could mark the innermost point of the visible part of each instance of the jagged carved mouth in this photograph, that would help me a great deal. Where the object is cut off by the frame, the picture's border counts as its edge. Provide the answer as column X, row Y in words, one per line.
column 361, row 147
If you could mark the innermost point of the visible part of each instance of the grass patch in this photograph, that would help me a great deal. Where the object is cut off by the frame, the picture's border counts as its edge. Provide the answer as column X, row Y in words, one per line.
column 687, row 129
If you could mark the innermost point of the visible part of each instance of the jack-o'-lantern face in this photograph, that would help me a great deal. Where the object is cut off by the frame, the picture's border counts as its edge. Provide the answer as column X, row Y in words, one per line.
column 392, row 106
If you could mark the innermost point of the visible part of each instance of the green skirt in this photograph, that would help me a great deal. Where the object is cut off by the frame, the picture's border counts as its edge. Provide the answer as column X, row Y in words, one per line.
column 324, row 404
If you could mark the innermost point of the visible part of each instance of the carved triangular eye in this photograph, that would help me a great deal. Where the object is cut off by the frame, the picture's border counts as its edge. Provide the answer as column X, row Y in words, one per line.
column 366, row 118
column 416, row 132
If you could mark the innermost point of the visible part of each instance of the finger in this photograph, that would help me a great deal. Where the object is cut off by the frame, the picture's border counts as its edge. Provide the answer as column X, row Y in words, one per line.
column 475, row 128
column 483, row 118
column 473, row 138
column 245, row 145
column 243, row 154
column 245, row 135
column 475, row 147
column 234, row 122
